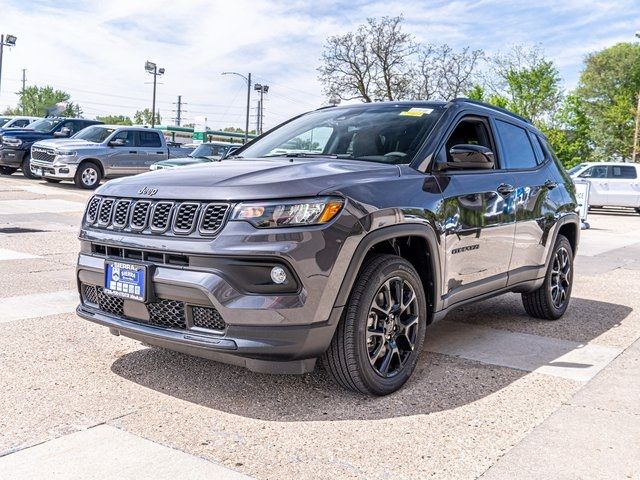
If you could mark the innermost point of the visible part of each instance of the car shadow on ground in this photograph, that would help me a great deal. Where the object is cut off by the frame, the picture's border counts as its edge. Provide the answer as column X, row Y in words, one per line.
column 439, row 383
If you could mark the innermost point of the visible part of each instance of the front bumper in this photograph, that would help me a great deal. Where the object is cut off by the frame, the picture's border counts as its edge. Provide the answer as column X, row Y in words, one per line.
column 10, row 157
column 49, row 170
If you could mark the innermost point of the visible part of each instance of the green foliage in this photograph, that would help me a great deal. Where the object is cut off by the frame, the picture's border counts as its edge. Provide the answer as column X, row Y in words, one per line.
column 115, row 120
column 570, row 134
column 143, row 117
column 608, row 86
column 37, row 101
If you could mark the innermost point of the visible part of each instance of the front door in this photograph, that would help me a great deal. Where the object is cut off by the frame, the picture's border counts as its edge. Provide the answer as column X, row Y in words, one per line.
column 121, row 159
column 598, row 185
column 479, row 219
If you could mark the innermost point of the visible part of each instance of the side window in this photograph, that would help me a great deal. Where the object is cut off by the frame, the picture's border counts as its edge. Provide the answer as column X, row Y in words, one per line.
column 599, row 171
column 75, row 127
column 623, row 172
column 470, row 131
column 127, row 135
column 21, row 123
column 537, row 148
column 516, row 146
column 149, row 139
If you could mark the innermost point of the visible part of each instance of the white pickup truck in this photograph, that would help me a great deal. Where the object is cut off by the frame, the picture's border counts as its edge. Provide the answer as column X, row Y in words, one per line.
column 101, row 151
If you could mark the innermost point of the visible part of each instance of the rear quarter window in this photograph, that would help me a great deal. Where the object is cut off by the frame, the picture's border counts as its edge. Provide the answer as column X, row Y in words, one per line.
column 622, row 172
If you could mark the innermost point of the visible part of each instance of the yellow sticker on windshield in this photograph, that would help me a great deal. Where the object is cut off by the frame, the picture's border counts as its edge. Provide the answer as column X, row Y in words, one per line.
column 416, row 112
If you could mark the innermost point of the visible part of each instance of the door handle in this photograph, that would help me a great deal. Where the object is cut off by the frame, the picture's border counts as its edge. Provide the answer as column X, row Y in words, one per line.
column 159, row 153
column 505, row 189
column 550, row 184
column 133, row 151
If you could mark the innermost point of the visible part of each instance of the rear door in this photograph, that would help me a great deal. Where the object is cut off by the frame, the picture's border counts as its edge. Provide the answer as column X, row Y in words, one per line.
column 623, row 186
column 151, row 149
column 537, row 199
column 597, row 176
column 479, row 217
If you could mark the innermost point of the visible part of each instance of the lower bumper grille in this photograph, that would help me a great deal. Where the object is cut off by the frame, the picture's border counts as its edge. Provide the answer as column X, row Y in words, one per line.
column 162, row 313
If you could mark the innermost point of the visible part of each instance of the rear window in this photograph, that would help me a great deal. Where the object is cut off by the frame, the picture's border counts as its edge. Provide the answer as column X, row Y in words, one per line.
column 517, row 150
column 623, row 172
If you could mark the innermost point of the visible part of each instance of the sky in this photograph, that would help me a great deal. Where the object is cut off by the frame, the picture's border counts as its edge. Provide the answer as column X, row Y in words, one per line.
column 96, row 50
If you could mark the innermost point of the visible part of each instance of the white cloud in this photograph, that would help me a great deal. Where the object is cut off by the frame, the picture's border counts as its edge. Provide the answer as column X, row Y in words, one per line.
column 96, row 50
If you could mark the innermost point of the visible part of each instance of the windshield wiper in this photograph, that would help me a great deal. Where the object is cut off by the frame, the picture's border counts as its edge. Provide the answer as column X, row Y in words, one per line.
column 303, row 155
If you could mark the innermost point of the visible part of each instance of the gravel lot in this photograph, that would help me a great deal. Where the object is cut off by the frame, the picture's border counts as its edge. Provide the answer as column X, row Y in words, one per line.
column 490, row 377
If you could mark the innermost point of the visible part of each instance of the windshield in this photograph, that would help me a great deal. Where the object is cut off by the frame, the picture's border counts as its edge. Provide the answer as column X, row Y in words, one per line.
column 4, row 120
column 209, row 150
column 94, row 134
column 577, row 168
column 45, row 124
column 388, row 133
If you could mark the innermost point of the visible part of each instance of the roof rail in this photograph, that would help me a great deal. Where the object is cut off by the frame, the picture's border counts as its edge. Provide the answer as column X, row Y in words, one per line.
column 492, row 107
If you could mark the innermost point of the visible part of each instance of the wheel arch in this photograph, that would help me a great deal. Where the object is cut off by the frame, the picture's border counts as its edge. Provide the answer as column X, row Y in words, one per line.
column 95, row 161
column 417, row 244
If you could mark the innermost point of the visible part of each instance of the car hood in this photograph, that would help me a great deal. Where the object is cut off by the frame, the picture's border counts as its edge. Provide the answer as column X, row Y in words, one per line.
column 66, row 143
column 25, row 133
column 250, row 179
column 179, row 162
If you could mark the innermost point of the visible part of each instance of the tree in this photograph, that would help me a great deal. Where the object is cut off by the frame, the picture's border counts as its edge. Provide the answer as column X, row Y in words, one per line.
column 608, row 86
column 40, row 101
column 570, row 133
column 371, row 63
column 445, row 74
column 526, row 83
column 115, row 120
column 143, row 117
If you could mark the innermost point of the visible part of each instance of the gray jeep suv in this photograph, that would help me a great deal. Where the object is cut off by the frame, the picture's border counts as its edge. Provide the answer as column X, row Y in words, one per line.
column 339, row 235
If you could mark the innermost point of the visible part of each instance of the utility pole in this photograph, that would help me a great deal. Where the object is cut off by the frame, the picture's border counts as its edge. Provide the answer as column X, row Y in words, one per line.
column 262, row 89
column 153, row 69
column 178, row 111
column 9, row 41
column 248, row 80
column 634, row 154
column 24, row 86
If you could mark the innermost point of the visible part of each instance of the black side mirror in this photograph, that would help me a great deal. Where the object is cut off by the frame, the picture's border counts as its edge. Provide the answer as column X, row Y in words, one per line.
column 470, row 157
column 118, row 142
column 63, row 132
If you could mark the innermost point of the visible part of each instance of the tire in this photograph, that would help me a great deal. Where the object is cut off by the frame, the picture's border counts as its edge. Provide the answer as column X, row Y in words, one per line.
column 356, row 359
column 88, row 176
column 26, row 168
column 543, row 303
column 52, row 180
column 7, row 170
column 637, row 210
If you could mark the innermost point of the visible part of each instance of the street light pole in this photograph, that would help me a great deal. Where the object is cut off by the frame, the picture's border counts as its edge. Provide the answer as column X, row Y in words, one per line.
column 9, row 41
column 248, row 80
column 634, row 153
column 153, row 69
column 262, row 89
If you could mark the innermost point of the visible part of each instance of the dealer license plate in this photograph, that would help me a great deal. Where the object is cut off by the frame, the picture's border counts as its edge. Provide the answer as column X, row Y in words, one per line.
column 126, row 280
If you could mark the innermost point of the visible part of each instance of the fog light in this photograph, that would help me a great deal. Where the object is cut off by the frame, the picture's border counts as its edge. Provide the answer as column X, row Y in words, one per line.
column 278, row 275
column 64, row 170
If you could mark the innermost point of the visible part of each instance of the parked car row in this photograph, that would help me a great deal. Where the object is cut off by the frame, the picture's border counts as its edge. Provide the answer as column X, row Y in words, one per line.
column 87, row 151
column 13, row 121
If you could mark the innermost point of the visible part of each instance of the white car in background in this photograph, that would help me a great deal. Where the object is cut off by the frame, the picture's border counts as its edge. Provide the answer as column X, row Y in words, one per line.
column 612, row 184
column 16, row 121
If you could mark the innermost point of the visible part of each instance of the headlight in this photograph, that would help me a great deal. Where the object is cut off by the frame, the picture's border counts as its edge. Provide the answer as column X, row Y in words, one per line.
column 65, row 153
column 289, row 213
column 12, row 142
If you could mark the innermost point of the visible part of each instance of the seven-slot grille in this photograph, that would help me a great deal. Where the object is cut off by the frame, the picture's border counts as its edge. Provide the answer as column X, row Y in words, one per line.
column 157, row 216
column 43, row 154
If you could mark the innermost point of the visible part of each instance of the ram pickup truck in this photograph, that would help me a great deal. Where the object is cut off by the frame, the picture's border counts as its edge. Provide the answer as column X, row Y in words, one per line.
column 15, row 144
column 100, row 151
column 396, row 213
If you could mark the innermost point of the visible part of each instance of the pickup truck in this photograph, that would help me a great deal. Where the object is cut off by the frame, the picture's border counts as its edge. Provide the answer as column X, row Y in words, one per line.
column 15, row 144
column 100, row 151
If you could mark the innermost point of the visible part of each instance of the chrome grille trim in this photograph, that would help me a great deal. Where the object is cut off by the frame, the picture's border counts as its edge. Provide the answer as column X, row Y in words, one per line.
column 122, row 209
column 93, row 207
column 157, row 217
column 161, row 214
column 211, row 222
column 185, row 219
column 106, row 212
column 140, row 215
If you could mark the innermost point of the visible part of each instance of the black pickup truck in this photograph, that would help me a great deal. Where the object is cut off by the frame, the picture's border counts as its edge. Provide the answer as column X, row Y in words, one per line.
column 15, row 145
